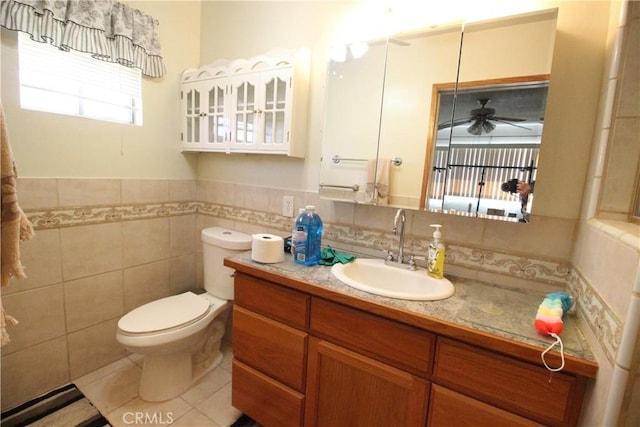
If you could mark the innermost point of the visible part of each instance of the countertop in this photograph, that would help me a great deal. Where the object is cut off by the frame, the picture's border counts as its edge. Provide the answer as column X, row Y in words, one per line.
column 478, row 312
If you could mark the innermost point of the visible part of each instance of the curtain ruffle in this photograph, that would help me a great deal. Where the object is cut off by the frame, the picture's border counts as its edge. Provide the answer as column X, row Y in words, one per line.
column 109, row 30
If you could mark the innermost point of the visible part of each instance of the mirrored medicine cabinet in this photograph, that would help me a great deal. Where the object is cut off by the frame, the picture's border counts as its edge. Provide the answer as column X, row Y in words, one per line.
column 441, row 119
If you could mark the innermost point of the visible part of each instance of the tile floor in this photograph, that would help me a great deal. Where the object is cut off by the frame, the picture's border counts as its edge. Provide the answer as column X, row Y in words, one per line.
column 114, row 391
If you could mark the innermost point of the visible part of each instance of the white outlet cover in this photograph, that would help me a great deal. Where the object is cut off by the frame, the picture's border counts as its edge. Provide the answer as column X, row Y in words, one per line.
column 287, row 206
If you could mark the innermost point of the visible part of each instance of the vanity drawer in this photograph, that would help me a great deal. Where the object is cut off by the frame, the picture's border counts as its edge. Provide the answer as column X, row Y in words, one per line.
column 265, row 400
column 508, row 383
column 271, row 347
column 397, row 344
column 274, row 301
column 448, row 408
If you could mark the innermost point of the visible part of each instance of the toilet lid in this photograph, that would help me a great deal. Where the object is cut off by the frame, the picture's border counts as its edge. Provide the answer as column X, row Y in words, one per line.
column 164, row 313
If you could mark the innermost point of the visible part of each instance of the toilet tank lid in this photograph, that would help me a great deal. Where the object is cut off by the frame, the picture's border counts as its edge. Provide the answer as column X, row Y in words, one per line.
column 225, row 238
column 165, row 313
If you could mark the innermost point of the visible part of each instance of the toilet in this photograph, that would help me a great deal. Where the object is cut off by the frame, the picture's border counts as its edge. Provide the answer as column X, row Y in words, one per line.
column 179, row 336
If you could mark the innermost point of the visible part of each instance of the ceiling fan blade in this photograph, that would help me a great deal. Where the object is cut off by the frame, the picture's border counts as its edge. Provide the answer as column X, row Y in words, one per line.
column 507, row 119
column 509, row 123
column 457, row 122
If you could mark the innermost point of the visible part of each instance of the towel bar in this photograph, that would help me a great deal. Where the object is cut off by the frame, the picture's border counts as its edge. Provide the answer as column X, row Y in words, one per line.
column 396, row 161
column 354, row 187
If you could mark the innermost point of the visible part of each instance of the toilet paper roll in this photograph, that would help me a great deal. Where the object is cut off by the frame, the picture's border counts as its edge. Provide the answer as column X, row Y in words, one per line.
column 267, row 248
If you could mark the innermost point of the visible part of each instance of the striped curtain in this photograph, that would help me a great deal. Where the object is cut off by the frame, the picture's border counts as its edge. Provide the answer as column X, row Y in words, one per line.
column 109, row 30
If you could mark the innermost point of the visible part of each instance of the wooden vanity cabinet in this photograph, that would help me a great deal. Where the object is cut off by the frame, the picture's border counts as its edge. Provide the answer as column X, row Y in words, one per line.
column 312, row 359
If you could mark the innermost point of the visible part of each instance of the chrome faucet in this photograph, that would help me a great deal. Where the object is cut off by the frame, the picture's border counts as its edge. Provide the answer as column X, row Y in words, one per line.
column 400, row 217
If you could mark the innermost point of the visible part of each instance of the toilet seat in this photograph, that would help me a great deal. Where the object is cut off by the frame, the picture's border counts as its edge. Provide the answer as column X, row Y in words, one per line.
column 165, row 314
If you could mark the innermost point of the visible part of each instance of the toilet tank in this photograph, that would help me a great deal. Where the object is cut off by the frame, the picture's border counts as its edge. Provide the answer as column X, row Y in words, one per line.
column 217, row 244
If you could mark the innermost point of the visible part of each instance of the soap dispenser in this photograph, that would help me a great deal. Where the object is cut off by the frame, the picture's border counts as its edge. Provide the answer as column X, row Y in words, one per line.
column 435, row 256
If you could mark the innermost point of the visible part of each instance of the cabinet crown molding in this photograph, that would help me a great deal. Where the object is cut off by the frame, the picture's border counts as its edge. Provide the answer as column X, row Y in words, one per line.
column 271, row 60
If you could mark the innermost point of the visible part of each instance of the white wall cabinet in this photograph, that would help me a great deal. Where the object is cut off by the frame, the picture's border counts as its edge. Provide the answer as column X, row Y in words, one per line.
column 257, row 105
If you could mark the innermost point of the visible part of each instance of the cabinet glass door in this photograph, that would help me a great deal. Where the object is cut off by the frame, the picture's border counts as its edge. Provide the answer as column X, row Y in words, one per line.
column 192, row 129
column 216, row 125
column 245, row 113
column 274, row 111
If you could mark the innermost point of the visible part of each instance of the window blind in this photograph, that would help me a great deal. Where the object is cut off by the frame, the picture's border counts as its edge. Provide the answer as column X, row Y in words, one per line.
column 73, row 83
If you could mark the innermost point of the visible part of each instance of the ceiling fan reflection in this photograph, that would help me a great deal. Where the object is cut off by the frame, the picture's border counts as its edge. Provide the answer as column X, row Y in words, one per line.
column 482, row 119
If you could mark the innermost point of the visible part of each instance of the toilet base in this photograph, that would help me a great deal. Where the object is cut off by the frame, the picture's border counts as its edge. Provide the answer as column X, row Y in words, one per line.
column 167, row 375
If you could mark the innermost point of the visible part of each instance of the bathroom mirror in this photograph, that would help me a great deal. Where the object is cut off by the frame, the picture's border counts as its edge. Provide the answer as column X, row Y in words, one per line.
column 487, row 145
column 383, row 96
column 494, row 133
column 418, row 65
column 355, row 84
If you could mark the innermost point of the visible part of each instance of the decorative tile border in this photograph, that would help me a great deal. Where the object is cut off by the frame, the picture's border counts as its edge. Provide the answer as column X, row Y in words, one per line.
column 606, row 327
column 601, row 320
column 249, row 216
column 71, row 217
column 503, row 263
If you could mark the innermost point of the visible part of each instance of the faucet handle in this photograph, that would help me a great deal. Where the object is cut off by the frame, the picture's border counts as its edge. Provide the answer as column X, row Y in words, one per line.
column 389, row 256
column 412, row 261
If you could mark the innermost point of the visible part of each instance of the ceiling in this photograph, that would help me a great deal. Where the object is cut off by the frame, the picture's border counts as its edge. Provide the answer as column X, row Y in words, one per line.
column 521, row 101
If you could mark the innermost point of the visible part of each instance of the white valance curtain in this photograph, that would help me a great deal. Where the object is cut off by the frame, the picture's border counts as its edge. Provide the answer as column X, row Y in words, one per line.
column 109, row 30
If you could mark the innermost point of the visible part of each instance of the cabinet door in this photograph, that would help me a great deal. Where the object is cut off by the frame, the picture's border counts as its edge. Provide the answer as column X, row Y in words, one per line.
column 261, row 119
column 216, row 120
column 275, row 110
column 192, row 128
column 205, row 107
column 345, row 388
column 245, row 112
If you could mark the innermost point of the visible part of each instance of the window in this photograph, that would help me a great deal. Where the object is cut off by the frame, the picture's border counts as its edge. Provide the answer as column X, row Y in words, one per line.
column 74, row 83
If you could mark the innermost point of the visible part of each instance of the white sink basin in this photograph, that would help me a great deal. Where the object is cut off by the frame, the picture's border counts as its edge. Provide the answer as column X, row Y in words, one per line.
column 374, row 276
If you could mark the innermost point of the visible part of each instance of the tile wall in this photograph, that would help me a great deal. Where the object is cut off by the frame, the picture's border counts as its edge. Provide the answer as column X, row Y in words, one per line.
column 103, row 247
column 606, row 254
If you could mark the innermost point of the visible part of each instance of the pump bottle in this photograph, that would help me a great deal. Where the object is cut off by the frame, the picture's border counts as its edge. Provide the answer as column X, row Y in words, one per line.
column 435, row 255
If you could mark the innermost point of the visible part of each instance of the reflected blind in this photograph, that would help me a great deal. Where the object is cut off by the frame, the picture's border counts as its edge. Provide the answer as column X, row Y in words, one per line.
column 502, row 164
